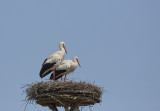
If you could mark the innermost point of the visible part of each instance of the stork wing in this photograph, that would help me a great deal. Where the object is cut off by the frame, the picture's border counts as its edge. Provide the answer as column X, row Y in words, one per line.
column 48, row 64
column 61, row 70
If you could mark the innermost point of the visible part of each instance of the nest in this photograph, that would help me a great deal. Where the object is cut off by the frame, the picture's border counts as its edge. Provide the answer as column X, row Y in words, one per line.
column 64, row 93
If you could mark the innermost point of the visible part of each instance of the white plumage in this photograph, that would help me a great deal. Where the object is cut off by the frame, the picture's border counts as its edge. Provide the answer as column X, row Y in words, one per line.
column 66, row 67
column 53, row 61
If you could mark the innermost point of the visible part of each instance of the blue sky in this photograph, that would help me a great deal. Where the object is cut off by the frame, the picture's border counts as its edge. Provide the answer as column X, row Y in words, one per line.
column 117, row 42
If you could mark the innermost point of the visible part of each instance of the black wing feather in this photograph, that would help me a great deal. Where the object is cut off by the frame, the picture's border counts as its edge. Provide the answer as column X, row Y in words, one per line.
column 46, row 67
column 44, row 61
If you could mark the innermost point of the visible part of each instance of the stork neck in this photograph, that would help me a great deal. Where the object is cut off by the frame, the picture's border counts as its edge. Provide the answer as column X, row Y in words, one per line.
column 75, row 63
column 62, row 50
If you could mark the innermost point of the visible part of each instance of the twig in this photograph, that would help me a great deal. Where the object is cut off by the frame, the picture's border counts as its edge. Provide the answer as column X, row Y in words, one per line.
column 26, row 105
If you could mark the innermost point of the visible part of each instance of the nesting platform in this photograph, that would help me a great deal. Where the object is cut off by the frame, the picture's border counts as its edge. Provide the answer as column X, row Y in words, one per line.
column 64, row 93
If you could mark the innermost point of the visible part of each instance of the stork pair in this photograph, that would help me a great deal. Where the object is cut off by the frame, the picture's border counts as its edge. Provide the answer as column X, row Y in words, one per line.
column 56, row 63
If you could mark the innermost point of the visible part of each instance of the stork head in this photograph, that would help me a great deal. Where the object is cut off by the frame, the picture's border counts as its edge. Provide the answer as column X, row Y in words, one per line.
column 75, row 59
column 62, row 45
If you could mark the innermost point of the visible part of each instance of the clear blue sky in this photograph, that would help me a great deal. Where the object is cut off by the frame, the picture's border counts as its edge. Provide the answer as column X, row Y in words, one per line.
column 117, row 42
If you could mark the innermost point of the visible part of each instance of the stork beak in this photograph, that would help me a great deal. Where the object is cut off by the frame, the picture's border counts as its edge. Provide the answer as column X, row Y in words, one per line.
column 65, row 49
column 78, row 63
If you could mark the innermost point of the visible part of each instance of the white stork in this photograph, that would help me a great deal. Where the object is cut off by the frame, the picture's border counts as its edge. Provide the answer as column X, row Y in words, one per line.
column 66, row 67
column 53, row 61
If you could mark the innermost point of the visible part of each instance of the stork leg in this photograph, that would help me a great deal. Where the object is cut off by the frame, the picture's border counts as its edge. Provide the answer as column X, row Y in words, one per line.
column 54, row 74
column 61, row 78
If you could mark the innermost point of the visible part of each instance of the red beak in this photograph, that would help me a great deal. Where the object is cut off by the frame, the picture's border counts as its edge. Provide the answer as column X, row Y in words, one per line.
column 65, row 49
column 78, row 63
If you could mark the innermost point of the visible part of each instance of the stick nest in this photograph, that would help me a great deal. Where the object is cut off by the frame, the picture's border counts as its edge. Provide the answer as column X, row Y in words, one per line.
column 64, row 93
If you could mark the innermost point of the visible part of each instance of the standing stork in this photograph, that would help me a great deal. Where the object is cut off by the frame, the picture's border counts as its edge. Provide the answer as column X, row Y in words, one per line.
column 53, row 61
column 66, row 67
